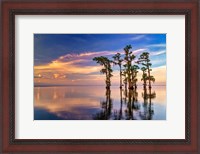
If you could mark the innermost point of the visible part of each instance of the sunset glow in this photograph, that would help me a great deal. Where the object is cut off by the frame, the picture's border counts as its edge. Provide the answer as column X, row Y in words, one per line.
column 67, row 58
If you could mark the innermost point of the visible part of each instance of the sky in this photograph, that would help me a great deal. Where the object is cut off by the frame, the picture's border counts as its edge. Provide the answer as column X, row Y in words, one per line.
column 66, row 59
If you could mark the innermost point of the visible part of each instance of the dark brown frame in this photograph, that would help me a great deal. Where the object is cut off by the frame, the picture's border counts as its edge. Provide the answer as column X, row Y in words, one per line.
column 189, row 8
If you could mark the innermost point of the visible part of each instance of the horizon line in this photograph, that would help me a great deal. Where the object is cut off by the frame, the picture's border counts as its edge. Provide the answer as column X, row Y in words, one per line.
column 87, row 85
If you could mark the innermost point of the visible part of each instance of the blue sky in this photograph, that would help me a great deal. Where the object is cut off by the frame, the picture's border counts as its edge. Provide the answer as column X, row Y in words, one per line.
column 48, row 47
column 77, row 51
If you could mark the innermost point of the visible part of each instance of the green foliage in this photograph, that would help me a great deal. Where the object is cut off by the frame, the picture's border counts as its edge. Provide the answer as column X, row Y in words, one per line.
column 106, row 63
column 144, row 59
column 118, row 61
column 128, row 68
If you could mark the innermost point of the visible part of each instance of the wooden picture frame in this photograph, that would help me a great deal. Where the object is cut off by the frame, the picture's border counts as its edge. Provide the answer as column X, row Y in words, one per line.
column 11, row 8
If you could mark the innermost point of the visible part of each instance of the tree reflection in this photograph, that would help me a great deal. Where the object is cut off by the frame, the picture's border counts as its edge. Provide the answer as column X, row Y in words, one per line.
column 129, row 107
column 132, row 104
column 118, row 114
column 121, row 104
column 148, row 112
column 106, row 106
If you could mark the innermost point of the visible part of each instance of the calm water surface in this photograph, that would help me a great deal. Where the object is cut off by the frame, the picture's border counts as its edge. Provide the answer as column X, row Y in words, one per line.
column 97, row 103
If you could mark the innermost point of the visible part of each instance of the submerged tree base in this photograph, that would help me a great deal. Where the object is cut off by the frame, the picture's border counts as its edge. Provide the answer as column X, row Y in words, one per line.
column 131, row 88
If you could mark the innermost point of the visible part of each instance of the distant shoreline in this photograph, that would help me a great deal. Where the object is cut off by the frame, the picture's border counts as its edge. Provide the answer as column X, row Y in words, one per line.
column 84, row 85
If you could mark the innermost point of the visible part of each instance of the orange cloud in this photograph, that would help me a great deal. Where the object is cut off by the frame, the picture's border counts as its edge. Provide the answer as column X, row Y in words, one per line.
column 76, row 69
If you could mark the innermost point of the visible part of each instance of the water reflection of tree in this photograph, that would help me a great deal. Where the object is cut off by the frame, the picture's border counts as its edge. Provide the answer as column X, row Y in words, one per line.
column 133, row 111
column 148, row 112
column 118, row 114
column 132, row 104
column 106, row 106
column 130, row 99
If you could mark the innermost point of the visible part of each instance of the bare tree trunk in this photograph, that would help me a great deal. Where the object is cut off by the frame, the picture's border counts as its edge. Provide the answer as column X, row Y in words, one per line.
column 126, row 85
column 120, row 111
column 120, row 76
column 144, row 85
column 149, row 78
column 150, row 111
column 107, row 79
column 130, row 81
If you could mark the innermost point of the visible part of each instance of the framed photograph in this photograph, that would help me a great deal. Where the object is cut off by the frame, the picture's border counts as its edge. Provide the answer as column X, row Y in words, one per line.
column 100, row 76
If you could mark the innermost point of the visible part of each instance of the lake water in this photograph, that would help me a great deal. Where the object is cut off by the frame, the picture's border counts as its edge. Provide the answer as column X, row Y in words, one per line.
column 97, row 103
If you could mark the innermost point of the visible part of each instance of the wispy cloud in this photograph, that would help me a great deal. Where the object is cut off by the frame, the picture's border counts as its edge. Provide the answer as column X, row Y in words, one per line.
column 157, row 45
column 90, row 55
column 138, row 37
column 139, row 51
column 69, row 67
column 85, row 55
column 157, row 53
